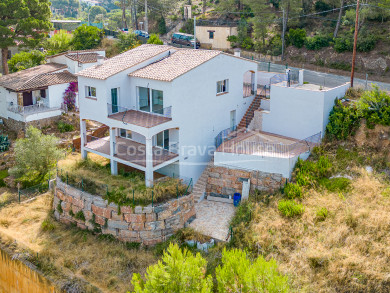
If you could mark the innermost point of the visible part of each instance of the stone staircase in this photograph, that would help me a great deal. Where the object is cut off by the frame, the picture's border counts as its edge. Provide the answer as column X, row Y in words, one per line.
column 200, row 186
column 246, row 120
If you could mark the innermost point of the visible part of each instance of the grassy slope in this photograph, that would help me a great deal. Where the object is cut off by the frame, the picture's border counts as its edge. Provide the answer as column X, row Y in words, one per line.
column 70, row 256
column 348, row 251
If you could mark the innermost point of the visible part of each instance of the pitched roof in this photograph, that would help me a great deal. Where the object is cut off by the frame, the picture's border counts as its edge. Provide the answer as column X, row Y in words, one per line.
column 48, row 79
column 175, row 65
column 124, row 61
column 74, row 52
column 19, row 80
column 83, row 57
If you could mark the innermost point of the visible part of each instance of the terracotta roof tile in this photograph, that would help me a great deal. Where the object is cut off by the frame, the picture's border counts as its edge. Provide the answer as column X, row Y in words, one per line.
column 175, row 65
column 83, row 57
column 124, row 61
column 48, row 79
column 18, row 80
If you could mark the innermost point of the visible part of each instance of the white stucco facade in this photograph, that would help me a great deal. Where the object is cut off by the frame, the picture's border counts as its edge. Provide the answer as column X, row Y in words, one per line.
column 198, row 113
column 300, row 111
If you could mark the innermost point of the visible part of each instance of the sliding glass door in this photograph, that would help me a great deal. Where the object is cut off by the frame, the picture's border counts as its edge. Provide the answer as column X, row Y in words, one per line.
column 162, row 139
column 144, row 100
column 150, row 100
column 114, row 100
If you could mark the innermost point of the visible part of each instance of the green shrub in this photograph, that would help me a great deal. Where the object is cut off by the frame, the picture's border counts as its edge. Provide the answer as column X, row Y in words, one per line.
column 343, row 122
column 343, row 44
column 321, row 214
column 48, row 225
column 238, row 273
column 323, row 167
column 289, row 208
column 366, row 42
column 64, row 127
column 317, row 42
column 3, row 174
column 178, row 271
column 80, row 216
column 59, row 207
column 293, row 190
column 24, row 60
column 338, row 184
column 374, row 106
column 341, row 65
column 297, row 37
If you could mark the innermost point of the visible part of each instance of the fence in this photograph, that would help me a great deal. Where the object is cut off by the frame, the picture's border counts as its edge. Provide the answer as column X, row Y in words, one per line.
column 33, row 191
column 171, row 187
column 273, row 149
column 224, row 135
column 114, row 109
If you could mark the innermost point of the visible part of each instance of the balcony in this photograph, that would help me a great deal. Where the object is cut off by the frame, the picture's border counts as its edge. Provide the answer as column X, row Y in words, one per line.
column 32, row 112
column 131, row 151
column 139, row 118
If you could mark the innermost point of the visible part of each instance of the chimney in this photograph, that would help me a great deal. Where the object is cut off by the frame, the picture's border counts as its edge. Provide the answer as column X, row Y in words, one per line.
column 301, row 77
column 237, row 52
column 100, row 59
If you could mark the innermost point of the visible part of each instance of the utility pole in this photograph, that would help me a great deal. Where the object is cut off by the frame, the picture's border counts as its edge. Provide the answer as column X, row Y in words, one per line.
column 146, row 16
column 283, row 34
column 195, row 32
column 355, row 42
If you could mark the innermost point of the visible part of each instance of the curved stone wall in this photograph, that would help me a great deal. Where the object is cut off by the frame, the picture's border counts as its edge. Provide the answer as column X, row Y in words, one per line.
column 148, row 225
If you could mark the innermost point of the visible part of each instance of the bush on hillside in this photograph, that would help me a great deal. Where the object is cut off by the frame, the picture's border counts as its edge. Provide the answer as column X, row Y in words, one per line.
column 289, row 208
column 343, row 122
column 297, row 37
column 238, row 273
column 155, row 39
column 374, row 106
column 25, row 60
column 317, row 42
column 344, row 43
column 178, row 271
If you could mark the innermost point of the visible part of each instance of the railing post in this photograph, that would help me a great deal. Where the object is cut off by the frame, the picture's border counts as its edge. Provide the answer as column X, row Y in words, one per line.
column 19, row 191
column 133, row 198
column 177, row 191
column 82, row 184
column 152, row 197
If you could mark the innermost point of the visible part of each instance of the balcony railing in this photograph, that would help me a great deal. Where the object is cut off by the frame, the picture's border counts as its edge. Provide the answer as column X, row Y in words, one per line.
column 114, row 109
column 29, row 110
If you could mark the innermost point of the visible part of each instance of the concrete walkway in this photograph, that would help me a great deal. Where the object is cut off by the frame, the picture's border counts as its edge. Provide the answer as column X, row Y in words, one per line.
column 213, row 218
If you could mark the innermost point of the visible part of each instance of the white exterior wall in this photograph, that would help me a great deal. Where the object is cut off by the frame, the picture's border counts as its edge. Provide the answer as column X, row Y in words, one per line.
column 56, row 94
column 299, row 113
column 221, row 33
column 197, row 111
column 283, row 166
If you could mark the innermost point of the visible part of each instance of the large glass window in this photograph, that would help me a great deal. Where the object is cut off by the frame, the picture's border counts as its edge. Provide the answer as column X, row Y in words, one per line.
column 157, row 101
column 222, row 86
column 125, row 133
column 144, row 101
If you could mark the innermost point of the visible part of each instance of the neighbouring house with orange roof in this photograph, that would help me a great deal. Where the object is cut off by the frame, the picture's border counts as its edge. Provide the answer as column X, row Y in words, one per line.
column 35, row 95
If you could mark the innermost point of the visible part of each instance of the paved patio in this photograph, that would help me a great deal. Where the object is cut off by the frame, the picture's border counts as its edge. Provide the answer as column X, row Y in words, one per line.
column 140, row 118
column 131, row 151
column 213, row 219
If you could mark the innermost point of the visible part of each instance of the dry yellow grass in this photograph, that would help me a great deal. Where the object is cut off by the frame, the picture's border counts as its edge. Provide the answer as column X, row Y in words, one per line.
column 347, row 252
column 66, row 253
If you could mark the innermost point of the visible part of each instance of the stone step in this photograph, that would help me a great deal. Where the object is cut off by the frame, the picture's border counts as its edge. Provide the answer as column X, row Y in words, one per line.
column 219, row 199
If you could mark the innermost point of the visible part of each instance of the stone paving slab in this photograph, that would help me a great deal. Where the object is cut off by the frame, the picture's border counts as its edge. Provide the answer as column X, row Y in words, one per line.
column 213, row 218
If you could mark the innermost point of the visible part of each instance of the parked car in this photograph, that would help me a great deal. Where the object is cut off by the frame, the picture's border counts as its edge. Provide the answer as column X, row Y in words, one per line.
column 184, row 39
column 143, row 34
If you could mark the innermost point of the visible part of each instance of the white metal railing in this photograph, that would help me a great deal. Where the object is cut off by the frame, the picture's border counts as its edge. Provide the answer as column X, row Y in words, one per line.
column 272, row 149
column 174, row 148
column 165, row 112
column 29, row 110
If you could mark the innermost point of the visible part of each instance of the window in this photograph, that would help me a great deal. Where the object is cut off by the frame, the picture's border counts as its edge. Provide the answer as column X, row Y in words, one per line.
column 157, row 101
column 125, row 133
column 211, row 34
column 162, row 139
column 90, row 91
column 222, row 86
column 43, row 94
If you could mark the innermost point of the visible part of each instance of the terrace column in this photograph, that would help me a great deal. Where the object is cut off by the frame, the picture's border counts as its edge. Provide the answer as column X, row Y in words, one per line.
column 113, row 163
column 149, row 162
column 83, row 138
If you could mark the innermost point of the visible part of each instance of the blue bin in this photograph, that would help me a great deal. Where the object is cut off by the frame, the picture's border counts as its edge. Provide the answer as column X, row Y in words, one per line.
column 236, row 199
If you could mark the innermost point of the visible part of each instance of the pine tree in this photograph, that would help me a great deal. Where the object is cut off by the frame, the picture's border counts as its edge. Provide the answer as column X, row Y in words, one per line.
column 22, row 23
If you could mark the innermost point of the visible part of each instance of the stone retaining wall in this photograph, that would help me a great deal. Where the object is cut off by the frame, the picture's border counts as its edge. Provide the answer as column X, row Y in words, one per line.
column 148, row 225
column 227, row 181
column 17, row 126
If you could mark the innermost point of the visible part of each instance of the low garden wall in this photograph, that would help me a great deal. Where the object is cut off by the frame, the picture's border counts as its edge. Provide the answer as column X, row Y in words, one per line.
column 148, row 225
column 227, row 181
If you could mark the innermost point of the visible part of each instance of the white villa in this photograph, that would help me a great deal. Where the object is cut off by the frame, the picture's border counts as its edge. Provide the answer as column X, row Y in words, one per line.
column 172, row 110
column 36, row 94
column 164, row 107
